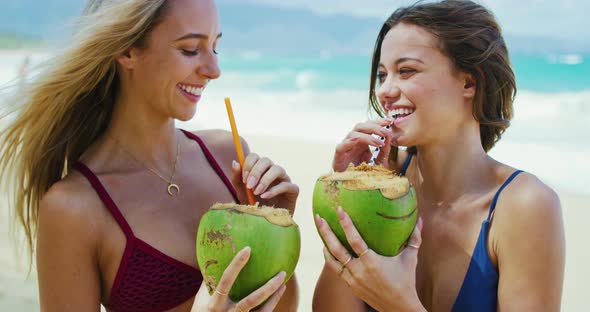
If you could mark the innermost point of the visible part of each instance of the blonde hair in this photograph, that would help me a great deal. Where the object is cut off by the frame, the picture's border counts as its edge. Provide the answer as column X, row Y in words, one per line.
column 69, row 104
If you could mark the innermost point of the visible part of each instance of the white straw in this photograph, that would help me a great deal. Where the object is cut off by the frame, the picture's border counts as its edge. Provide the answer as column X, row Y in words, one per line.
column 376, row 150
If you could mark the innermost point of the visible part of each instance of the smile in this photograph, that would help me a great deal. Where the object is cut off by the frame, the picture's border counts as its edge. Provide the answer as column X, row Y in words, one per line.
column 401, row 112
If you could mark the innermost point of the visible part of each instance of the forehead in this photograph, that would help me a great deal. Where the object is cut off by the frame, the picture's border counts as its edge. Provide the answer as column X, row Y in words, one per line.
column 405, row 40
column 192, row 16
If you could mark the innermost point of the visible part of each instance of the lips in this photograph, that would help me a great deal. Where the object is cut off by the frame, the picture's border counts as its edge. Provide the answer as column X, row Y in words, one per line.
column 191, row 92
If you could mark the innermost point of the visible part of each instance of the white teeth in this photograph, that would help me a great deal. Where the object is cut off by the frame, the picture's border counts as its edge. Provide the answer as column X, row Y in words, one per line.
column 192, row 90
column 402, row 111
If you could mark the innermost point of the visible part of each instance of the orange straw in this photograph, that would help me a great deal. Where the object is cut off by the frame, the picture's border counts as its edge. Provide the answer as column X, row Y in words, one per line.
column 238, row 145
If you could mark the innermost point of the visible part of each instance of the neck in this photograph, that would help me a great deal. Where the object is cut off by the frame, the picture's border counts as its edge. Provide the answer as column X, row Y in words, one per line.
column 454, row 168
column 141, row 131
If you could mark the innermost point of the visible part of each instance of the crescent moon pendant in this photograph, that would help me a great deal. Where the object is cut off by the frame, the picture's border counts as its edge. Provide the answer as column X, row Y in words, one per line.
column 172, row 186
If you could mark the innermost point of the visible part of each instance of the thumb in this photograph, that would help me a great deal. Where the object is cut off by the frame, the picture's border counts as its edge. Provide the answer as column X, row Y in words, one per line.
column 414, row 242
column 383, row 157
column 236, row 170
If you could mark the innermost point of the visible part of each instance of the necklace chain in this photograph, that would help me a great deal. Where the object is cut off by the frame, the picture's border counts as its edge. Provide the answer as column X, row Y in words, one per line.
column 171, row 186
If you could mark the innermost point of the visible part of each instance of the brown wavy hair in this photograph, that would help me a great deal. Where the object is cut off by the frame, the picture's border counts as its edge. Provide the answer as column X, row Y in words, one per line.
column 471, row 37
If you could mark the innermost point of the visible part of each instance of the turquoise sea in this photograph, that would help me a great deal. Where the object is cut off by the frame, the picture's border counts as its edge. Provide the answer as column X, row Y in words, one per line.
column 542, row 73
column 320, row 99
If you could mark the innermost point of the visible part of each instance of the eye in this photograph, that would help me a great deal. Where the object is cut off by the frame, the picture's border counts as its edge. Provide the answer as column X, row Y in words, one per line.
column 381, row 77
column 406, row 72
column 189, row 52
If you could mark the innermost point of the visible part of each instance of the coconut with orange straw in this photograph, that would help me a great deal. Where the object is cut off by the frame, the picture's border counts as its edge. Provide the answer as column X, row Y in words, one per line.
column 227, row 228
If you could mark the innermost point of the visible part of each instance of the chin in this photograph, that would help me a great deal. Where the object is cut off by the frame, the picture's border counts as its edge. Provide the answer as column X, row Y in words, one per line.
column 185, row 114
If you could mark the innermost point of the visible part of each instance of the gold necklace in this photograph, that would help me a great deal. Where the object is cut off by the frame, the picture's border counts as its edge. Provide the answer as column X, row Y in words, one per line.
column 171, row 186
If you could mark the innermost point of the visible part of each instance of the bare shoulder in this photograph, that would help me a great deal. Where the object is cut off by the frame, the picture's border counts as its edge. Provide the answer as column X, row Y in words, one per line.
column 71, row 205
column 528, row 199
column 221, row 144
column 67, row 247
column 529, row 209
column 529, row 245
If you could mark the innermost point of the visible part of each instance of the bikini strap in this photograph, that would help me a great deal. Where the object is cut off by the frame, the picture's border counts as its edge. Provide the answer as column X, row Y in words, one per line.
column 213, row 163
column 104, row 197
column 495, row 200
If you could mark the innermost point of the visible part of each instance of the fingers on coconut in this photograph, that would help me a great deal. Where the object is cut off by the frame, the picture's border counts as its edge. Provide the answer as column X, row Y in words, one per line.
column 352, row 235
column 272, row 176
column 410, row 253
column 261, row 294
column 331, row 262
column 249, row 162
column 229, row 276
column 272, row 302
column 281, row 188
column 334, row 246
column 257, row 170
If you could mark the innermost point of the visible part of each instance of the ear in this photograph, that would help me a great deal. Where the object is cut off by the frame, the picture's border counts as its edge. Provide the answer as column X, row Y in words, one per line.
column 469, row 85
column 127, row 59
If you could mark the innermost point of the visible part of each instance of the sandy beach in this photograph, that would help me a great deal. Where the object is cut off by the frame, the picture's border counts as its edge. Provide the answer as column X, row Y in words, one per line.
column 305, row 162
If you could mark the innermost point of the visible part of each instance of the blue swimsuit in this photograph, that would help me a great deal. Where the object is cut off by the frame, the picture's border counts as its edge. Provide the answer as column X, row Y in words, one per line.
column 479, row 291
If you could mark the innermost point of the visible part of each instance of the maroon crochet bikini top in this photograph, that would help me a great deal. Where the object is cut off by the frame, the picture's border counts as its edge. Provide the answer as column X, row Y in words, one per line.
column 148, row 280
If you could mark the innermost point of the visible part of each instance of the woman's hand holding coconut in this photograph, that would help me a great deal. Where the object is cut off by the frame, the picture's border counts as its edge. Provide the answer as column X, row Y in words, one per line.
column 385, row 283
column 241, row 284
column 272, row 290
column 353, row 149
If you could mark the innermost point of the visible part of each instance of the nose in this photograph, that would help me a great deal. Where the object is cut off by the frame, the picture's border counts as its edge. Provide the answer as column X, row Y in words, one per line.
column 388, row 93
column 210, row 67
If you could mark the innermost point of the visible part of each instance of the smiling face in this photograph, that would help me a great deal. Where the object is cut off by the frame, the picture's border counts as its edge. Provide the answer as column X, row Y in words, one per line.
column 418, row 83
column 177, row 60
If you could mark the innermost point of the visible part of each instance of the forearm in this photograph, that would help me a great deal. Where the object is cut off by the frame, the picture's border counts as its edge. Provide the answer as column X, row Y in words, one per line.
column 332, row 294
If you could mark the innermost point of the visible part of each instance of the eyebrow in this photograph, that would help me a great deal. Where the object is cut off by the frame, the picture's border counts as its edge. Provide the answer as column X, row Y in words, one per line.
column 404, row 59
column 195, row 36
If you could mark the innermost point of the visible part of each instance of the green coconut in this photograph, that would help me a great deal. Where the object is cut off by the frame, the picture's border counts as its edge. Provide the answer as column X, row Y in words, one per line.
column 381, row 204
column 226, row 229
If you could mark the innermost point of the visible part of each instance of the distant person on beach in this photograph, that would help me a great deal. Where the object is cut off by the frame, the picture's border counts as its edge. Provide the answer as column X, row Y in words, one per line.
column 24, row 67
column 104, row 184
column 490, row 237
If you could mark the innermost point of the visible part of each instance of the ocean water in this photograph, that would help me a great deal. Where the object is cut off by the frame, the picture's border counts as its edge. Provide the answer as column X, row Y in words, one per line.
column 321, row 99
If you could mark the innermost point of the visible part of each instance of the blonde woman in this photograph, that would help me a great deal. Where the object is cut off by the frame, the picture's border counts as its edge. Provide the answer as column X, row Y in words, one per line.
column 106, row 186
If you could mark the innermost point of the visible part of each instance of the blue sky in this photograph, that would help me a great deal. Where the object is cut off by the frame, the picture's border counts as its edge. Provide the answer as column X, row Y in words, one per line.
column 333, row 26
column 564, row 19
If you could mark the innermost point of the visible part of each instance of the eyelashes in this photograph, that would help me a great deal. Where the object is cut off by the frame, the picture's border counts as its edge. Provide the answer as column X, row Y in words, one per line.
column 404, row 73
column 195, row 52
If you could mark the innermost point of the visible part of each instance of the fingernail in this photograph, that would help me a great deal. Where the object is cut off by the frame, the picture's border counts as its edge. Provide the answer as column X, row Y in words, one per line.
column 281, row 275
column 245, row 176
column 340, row 213
column 235, row 165
column 318, row 219
column 264, row 195
column 246, row 253
column 251, row 182
column 259, row 189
